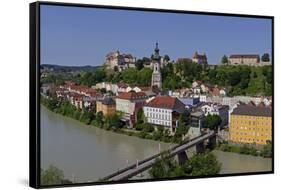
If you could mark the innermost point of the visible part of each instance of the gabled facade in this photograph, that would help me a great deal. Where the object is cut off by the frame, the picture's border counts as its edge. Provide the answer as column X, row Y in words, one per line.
column 164, row 111
column 129, row 103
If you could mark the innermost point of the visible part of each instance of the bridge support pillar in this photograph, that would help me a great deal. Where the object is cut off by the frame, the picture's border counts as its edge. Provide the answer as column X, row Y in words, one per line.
column 200, row 147
column 182, row 157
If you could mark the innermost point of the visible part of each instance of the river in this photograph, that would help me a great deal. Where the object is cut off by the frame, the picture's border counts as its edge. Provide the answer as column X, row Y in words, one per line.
column 86, row 153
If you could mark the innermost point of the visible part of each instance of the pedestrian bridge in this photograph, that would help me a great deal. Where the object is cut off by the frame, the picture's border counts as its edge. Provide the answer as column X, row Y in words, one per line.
column 179, row 150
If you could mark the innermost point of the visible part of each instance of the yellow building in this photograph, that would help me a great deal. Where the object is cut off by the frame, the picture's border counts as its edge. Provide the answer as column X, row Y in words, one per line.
column 251, row 124
column 107, row 106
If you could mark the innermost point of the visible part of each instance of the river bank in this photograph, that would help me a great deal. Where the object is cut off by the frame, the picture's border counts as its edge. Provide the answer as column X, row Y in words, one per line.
column 88, row 153
column 142, row 130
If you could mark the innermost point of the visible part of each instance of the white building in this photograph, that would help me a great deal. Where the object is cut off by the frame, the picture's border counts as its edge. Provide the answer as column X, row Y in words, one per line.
column 246, row 59
column 164, row 111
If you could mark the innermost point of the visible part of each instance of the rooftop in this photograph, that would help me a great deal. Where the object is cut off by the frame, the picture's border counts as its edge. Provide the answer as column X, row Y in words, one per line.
column 108, row 101
column 252, row 110
column 132, row 95
column 167, row 102
column 244, row 56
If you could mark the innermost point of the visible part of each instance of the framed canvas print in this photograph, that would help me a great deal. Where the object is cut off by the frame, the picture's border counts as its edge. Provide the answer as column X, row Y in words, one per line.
column 121, row 94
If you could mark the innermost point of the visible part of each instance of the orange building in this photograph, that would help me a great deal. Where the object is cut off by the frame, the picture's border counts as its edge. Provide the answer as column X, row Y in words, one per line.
column 107, row 106
column 251, row 124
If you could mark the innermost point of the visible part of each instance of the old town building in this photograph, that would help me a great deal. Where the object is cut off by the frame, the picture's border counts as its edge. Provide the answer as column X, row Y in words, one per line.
column 107, row 106
column 164, row 111
column 251, row 124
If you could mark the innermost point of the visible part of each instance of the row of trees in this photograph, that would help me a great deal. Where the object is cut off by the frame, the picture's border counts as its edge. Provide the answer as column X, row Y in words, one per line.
column 198, row 165
column 87, row 116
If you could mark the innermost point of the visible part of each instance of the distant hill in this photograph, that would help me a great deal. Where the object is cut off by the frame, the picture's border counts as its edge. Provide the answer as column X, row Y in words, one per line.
column 68, row 68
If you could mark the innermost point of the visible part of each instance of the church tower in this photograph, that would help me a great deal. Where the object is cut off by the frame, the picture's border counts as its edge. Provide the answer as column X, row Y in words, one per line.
column 156, row 79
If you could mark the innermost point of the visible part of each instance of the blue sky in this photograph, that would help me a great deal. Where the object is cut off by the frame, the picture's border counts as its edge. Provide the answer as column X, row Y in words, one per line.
column 83, row 36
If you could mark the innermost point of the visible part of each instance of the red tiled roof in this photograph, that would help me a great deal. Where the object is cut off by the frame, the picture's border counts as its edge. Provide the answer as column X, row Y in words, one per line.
column 166, row 102
column 132, row 95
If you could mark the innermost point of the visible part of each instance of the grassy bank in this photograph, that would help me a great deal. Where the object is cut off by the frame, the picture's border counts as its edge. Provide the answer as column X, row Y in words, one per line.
column 266, row 150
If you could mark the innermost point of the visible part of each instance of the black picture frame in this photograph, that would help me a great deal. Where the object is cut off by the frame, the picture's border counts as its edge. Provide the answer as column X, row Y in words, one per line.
column 34, row 90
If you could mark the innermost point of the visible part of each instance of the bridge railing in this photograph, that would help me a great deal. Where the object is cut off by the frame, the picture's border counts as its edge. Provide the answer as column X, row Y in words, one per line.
column 149, row 158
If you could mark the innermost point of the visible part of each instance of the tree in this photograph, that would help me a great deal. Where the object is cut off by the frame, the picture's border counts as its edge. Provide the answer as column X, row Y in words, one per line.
column 184, row 118
column 162, row 167
column 180, row 131
column 99, row 118
column 115, row 69
column 255, row 75
column 148, row 127
column 212, row 122
column 234, row 78
column 129, row 75
column 224, row 60
column 267, row 150
column 113, row 121
column 198, row 165
column 166, row 58
column 52, row 103
column 144, row 77
column 52, row 176
column 265, row 57
column 140, row 116
column 139, row 64
column 202, row 165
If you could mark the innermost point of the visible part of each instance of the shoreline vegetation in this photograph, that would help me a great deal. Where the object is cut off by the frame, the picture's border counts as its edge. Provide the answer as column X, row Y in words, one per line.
column 113, row 123
column 264, row 151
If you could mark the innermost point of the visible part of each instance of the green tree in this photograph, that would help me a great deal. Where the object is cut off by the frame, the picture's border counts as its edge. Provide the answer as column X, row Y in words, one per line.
column 184, row 118
column 52, row 176
column 140, row 116
column 212, row 122
column 166, row 58
column 99, row 118
column 115, row 69
column 144, row 77
column 198, row 165
column 202, row 165
column 148, row 127
column 139, row 64
column 265, row 57
column 162, row 167
column 129, row 75
column 224, row 60
column 267, row 150
column 113, row 122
